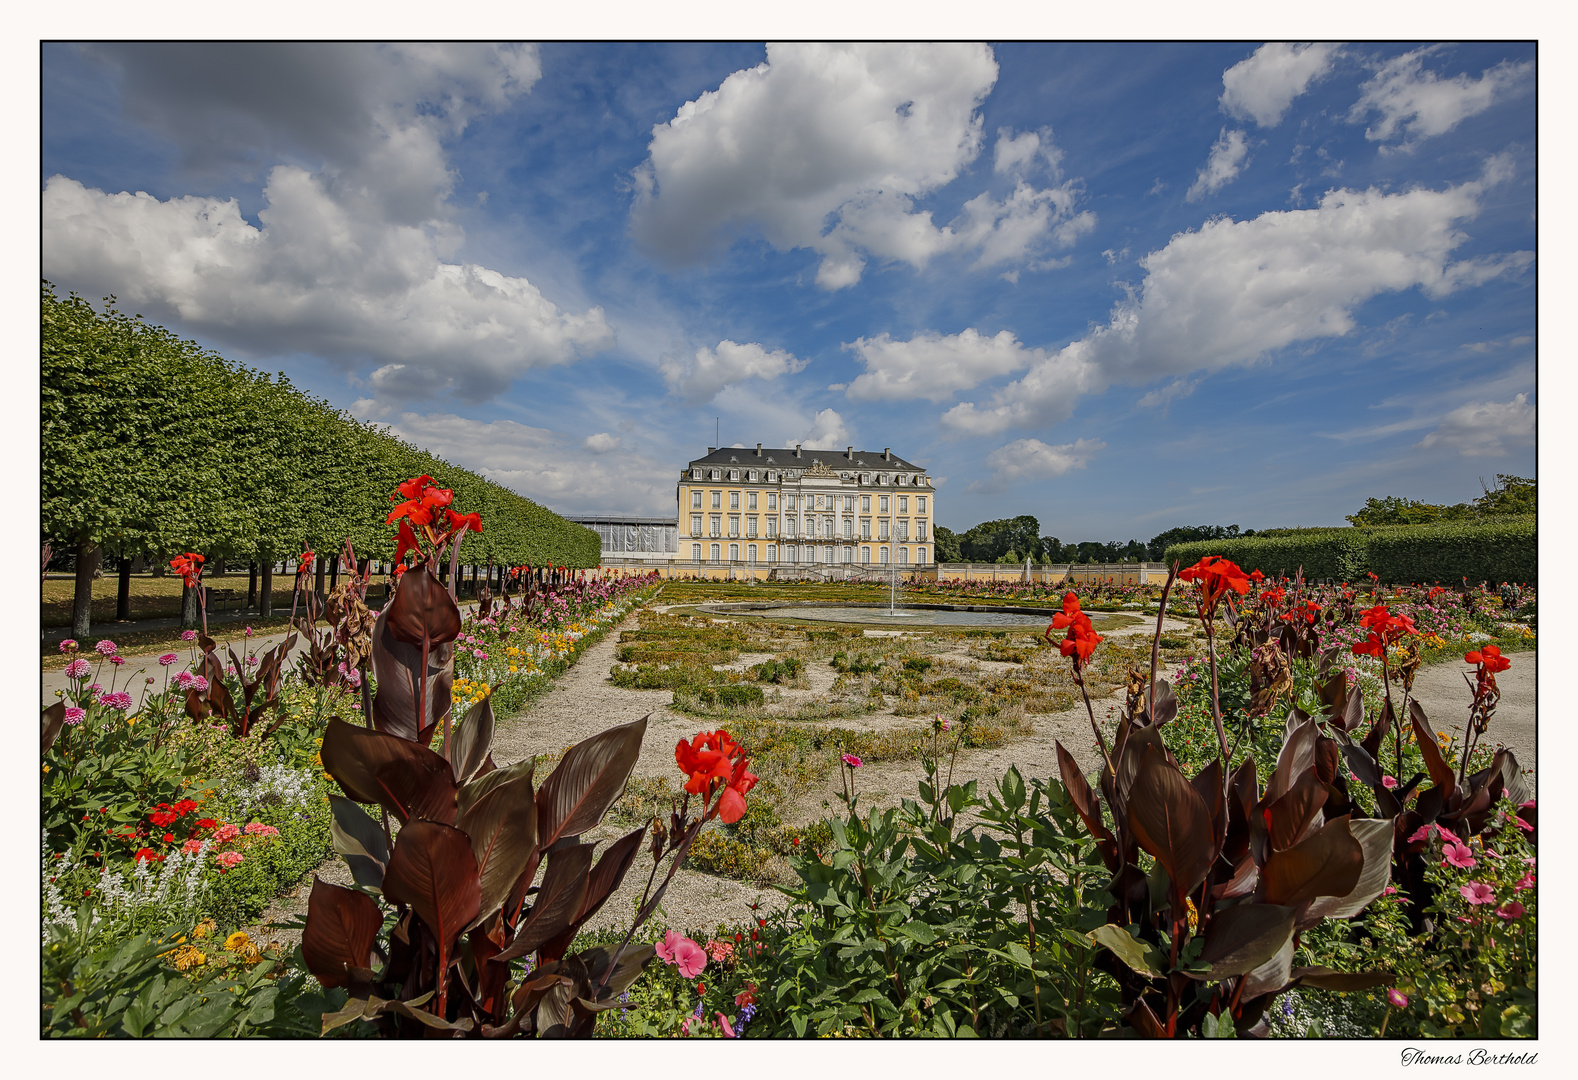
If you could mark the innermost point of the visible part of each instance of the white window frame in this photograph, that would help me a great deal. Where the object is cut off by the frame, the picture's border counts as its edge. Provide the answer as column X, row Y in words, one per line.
column 772, row 526
column 904, row 504
column 717, row 474
column 882, row 556
column 772, row 553
column 920, row 504
column 882, row 504
column 865, row 504
column 865, row 556
column 750, row 554
column 734, row 524
column 695, row 553
column 750, row 501
column 717, row 500
column 695, row 474
column 716, row 552
column 772, row 500
column 734, row 552
column 717, row 524
column 904, row 556
column 750, row 525
column 752, row 475
column 920, row 556
column 695, row 524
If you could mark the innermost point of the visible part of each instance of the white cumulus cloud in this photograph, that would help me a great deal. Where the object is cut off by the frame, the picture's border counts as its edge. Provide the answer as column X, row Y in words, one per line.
column 1233, row 291
column 352, row 256
column 827, row 431
column 1415, row 103
column 933, row 366
column 1227, row 159
column 699, row 379
column 1485, row 428
column 1032, row 459
column 827, row 147
column 1263, row 87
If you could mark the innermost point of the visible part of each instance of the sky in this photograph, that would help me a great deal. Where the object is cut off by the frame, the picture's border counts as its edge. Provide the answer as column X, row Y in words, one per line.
column 1122, row 287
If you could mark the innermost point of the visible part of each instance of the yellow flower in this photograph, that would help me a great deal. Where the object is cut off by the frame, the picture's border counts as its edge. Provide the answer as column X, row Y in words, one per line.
column 203, row 929
column 1194, row 915
column 46, row 767
column 187, row 957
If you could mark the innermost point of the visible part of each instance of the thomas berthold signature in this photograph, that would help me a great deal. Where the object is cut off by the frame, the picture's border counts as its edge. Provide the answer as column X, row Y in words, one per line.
column 1477, row 1056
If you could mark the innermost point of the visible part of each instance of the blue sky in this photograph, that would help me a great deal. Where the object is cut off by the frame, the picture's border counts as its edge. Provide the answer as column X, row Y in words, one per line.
column 1120, row 287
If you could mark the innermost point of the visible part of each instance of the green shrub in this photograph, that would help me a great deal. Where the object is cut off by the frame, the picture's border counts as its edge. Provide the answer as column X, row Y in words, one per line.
column 241, row 894
column 1323, row 553
column 1504, row 550
column 854, row 663
column 778, row 671
column 730, row 697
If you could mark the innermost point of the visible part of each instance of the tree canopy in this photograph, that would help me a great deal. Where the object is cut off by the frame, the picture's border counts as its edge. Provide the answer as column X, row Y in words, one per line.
column 153, row 445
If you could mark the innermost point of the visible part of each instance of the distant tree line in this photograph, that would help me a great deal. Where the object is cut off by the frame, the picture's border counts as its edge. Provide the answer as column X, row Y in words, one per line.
column 151, row 446
column 1012, row 540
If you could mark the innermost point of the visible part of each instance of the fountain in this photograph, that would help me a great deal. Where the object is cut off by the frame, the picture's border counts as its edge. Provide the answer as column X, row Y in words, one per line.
column 893, row 596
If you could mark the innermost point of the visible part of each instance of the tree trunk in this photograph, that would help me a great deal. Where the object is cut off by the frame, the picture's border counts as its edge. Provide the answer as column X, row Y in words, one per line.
column 159, row 567
column 266, row 599
column 123, row 590
column 318, row 566
column 334, row 572
column 140, row 564
column 188, row 607
column 252, row 586
column 88, row 554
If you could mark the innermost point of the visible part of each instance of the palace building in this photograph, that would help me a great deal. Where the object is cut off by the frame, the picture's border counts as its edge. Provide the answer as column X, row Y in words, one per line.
column 802, row 508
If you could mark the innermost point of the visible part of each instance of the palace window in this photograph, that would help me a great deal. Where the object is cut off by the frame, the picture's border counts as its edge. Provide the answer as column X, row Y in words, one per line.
column 734, row 552
column 715, row 553
column 734, row 500
column 695, row 500
column 882, row 554
column 882, row 529
column 849, row 529
column 849, row 554
column 920, row 555
column 695, row 524
column 865, row 504
column 865, row 556
column 734, row 524
column 695, row 552
column 904, row 529
column 695, row 474
column 789, row 502
column 750, row 525
column 904, row 556
column 865, row 528
column 772, row 526
column 788, row 526
column 904, row 504
column 849, row 504
column 717, row 499
column 772, row 477
column 920, row 529
column 920, row 504
column 772, row 500
column 716, row 475
column 750, row 553
column 750, row 501
column 734, row 474
column 772, row 552
column 882, row 504
column 717, row 524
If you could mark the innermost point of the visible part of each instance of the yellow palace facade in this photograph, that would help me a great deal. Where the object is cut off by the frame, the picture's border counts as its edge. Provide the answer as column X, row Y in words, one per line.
column 747, row 508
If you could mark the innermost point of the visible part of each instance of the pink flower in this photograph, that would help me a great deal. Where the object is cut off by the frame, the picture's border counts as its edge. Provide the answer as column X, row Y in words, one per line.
column 188, row 635
column 200, row 684
column 75, row 715
column 183, row 681
column 1510, row 910
column 230, row 859
column 227, row 833
column 852, row 761
column 1388, row 782
column 247, row 632
column 1396, row 998
column 1459, row 856
column 117, row 660
column 1477, row 892
column 191, row 847
column 105, row 648
column 679, row 950
column 1389, row 890
column 1526, row 805
column 68, row 645
column 167, row 659
column 728, row 1030
column 120, row 702
column 1524, row 882
column 1524, row 825
column 77, row 669
column 257, row 828
column 251, row 661
column 720, row 950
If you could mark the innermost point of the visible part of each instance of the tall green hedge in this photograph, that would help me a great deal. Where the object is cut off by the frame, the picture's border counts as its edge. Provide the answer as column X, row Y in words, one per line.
column 1501, row 549
column 153, row 445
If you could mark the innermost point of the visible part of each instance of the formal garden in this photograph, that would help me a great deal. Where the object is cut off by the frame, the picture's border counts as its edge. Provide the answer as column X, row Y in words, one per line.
column 1262, row 833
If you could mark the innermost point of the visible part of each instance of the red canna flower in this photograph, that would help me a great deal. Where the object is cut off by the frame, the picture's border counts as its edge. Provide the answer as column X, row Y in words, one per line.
column 405, row 540
column 472, row 522
column 1489, row 658
column 1081, row 640
column 412, row 489
column 712, row 759
column 190, row 567
column 1215, row 577
column 1256, row 576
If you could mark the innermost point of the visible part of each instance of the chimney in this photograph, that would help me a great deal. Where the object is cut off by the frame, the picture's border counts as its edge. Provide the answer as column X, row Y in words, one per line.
column 796, row 449
column 710, row 449
column 758, row 449
column 885, row 455
column 849, row 452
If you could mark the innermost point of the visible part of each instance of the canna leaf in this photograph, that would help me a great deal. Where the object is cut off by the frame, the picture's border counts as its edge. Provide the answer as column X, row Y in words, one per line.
column 433, row 872
column 359, row 840
column 342, row 926
column 471, row 740
column 407, row 778
column 502, row 825
column 1171, row 821
column 1241, row 938
column 587, row 781
column 1325, row 864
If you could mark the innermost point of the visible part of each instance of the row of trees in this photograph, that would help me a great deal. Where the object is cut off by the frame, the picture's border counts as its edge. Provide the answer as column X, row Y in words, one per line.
column 152, row 445
column 1012, row 540
column 1511, row 495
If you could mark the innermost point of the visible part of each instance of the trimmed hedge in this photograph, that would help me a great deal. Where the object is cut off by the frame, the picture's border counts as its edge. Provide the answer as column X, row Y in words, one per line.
column 1501, row 549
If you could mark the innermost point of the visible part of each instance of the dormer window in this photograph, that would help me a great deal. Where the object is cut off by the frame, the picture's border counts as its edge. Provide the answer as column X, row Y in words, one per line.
column 753, row 476
column 772, row 477
column 695, row 474
column 734, row 474
column 717, row 474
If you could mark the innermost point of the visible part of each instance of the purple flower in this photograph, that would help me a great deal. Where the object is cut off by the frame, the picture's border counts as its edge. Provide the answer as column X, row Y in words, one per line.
column 74, row 715
column 120, row 701
column 77, row 669
column 105, row 648
column 167, row 659
column 69, row 645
